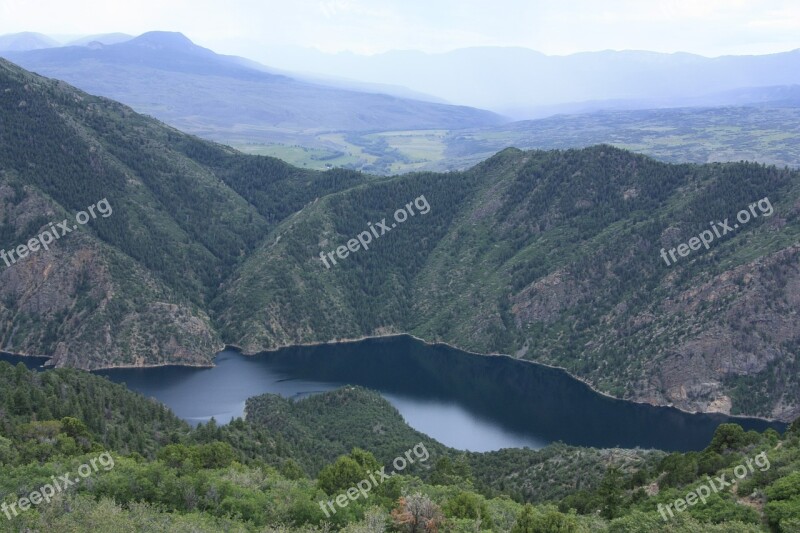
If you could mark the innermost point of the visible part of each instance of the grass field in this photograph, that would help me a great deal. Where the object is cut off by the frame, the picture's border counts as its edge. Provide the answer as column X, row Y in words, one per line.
column 694, row 135
column 307, row 156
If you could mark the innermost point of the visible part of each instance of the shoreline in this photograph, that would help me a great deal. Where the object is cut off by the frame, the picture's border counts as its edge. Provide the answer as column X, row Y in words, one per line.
column 121, row 367
column 26, row 355
column 158, row 365
column 497, row 354
column 234, row 348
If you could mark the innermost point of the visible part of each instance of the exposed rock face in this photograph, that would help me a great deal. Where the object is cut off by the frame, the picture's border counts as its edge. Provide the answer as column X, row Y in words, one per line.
column 741, row 323
column 544, row 299
column 184, row 339
column 65, row 302
column 756, row 323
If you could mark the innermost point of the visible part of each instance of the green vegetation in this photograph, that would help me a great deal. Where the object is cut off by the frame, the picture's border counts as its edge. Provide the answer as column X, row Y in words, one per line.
column 696, row 135
column 683, row 135
column 551, row 256
column 129, row 289
column 317, row 158
column 264, row 474
column 555, row 257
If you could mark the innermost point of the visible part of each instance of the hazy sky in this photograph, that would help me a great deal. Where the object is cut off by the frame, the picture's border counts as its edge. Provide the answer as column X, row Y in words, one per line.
column 246, row 27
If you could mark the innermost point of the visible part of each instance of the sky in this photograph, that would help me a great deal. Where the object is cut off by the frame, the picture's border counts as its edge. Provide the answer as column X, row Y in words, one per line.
column 555, row 27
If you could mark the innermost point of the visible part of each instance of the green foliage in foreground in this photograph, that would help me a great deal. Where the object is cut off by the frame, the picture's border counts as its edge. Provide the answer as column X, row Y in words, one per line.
column 170, row 477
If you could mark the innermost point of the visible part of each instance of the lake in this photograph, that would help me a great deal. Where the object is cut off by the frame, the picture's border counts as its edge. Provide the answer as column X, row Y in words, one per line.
column 466, row 401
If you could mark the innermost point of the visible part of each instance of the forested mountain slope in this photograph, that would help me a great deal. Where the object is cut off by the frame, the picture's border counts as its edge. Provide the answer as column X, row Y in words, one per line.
column 129, row 288
column 552, row 256
column 555, row 257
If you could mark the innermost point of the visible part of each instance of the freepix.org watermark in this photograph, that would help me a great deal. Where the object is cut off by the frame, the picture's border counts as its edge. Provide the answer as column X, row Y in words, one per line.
column 55, row 232
column 364, row 238
column 705, row 238
column 363, row 487
column 61, row 483
column 703, row 492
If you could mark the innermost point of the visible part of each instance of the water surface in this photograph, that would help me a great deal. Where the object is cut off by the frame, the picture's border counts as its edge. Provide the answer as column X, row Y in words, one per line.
column 466, row 401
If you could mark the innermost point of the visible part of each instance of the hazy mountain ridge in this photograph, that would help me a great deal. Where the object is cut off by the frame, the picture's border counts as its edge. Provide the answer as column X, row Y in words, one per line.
column 326, row 120
column 17, row 42
column 103, row 38
column 27, row 41
column 165, row 75
column 519, row 82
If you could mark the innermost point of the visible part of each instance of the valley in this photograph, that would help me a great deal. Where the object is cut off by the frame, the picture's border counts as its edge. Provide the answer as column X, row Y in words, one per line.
column 695, row 135
column 400, row 267
column 531, row 260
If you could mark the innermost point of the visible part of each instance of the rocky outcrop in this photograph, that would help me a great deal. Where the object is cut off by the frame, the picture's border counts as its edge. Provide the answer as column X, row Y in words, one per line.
column 67, row 303
column 755, row 331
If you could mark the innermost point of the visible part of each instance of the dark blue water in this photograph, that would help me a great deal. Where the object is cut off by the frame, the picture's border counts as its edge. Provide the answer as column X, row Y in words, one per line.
column 34, row 363
column 465, row 401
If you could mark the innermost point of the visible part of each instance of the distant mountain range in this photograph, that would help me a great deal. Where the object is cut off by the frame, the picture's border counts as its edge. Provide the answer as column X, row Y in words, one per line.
column 515, row 82
column 772, row 96
column 522, row 83
column 165, row 75
column 26, row 41
column 379, row 125
column 103, row 38
column 20, row 42
column 552, row 256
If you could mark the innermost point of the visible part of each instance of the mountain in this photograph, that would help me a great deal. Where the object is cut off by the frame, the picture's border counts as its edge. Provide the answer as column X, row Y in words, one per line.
column 523, row 83
column 768, row 96
column 103, row 38
column 129, row 288
column 552, row 256
column 167, row 76
column 20, row 42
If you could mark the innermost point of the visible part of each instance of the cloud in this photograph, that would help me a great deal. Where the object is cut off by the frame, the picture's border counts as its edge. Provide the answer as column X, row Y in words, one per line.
column 330, row 8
